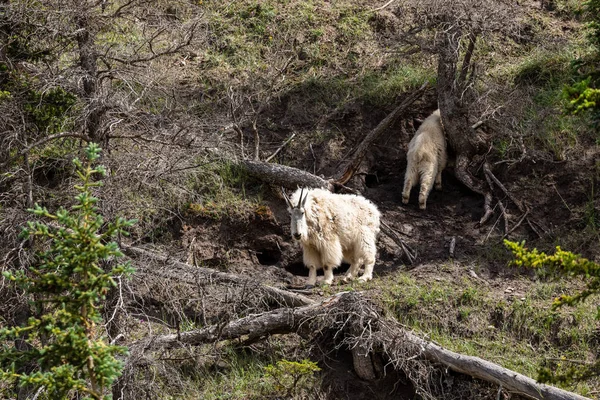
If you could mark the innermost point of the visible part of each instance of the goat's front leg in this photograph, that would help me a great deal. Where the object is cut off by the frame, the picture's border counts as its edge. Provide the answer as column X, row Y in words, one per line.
column 369, row 264
column 312, row 276
column 352, row 271
column 312, row 261
column 438, row 180
column 328, row 274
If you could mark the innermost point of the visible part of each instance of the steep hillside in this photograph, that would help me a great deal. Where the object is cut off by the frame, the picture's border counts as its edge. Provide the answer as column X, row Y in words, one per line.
column 178, row 93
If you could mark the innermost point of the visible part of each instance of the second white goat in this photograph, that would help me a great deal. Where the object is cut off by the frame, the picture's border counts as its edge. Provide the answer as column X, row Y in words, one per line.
column 426, row 158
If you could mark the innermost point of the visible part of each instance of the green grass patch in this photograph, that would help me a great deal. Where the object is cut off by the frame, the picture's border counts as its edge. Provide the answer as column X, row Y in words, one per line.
column 544, row 122
column 223, row 193
column 519, row 331
column 382, row 89
column 241, row 374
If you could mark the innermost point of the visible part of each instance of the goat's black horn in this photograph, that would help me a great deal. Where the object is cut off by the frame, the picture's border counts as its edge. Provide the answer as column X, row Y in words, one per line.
column 300, row 199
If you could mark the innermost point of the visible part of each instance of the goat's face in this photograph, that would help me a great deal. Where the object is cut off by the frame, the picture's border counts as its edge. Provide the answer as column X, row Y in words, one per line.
column 298, row 223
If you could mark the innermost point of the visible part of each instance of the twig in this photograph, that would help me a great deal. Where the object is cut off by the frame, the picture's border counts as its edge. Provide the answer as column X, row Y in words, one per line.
column 517, row 225
column 410, row 253
column 256, row 140
column 531, row 225
column 559, row 195
column 504, row 215
column 287, row 141
column 490, row 174
column 140, row 137
column 383, row 6
column 314, row 158
column 476, row 125
column 37, row 394
column 491, row 229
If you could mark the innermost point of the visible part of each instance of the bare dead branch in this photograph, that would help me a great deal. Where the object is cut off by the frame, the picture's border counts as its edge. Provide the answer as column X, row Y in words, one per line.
column 282, row 320
column 504, row 216
column 352, row 165
column 287, row 141
column 410, row 254
column 256, row 141
column 517, row 224
column 488, row 172
column 383, row 6
column 182, row 271
column 175, row 48
column 490, row 372
column 464, row 69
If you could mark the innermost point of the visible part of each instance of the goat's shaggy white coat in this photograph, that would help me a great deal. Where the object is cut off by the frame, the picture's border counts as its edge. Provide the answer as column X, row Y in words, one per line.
column 426, row 158
column 332, row 228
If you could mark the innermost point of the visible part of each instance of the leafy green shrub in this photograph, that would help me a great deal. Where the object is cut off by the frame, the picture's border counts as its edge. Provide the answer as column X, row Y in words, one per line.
column 65, row 344
column 566, row 264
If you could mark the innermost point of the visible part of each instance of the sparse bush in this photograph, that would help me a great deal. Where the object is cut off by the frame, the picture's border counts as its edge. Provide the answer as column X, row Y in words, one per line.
column 290, row 377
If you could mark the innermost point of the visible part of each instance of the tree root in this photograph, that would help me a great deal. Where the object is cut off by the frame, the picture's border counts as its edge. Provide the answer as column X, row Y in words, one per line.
column 475, row 185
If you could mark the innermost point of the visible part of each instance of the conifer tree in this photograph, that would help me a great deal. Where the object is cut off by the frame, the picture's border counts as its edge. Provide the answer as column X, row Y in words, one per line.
column 65, row 339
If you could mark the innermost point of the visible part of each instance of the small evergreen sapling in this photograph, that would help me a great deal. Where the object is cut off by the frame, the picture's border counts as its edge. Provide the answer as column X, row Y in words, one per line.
column 67, row 286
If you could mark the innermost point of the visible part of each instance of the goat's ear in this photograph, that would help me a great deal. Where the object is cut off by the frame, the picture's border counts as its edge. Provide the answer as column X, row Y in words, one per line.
column 287, row 199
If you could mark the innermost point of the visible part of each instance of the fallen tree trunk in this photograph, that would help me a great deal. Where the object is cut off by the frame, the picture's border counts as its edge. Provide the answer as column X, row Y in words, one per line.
column 282, row 175
column 190, row 274
column 282, row 320
column 351, row 166
column 490, row 372
column 349, row 312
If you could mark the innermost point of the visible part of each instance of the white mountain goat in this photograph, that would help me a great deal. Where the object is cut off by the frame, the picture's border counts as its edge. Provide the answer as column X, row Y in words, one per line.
column 333, row 228
column 426, row 158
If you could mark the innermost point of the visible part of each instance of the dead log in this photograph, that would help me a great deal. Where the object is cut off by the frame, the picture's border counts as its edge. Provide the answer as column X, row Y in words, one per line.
column 349, row 312
column 281, row 320
column 351, row 166
column 190, row 274
column 282, row 175
column 490, row 372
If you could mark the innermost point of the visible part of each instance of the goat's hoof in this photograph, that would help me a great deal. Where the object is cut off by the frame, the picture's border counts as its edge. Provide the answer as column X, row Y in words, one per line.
column 362, row 279
column 404, row 201
column 422, row 206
